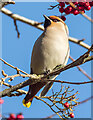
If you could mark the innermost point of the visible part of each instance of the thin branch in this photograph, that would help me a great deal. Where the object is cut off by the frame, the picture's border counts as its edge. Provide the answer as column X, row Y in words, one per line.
column 79, row 42
column 52, row 7
column 22, row 19
column 20, row 91
column 81, row 70
column 18, row 34
column 83, row 101
column 48, row 106
column 5, row 2
column 17, row 69
column 8, row 2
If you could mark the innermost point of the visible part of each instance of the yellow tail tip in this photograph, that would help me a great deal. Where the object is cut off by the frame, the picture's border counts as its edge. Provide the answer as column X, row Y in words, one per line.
column 26, row 104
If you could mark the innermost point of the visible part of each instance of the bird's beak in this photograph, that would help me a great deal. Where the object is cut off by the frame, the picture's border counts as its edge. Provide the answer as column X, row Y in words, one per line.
column 47, row 21
column 46, row 17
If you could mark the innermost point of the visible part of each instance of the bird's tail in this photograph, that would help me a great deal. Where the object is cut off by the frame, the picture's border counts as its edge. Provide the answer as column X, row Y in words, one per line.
column 33, row 89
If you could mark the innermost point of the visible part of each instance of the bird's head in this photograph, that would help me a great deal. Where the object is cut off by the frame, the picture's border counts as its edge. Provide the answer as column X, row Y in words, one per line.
column 54, row 21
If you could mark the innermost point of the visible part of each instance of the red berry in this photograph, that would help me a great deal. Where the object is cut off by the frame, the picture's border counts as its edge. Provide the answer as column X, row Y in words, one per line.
column 61, row 10
column 1, row 101
column 20, row 116
column 63, row 18
column 66, row 104
column 71, row 115
column 80, row 7
column 91, row 4
column 62, row 4
column 88, row 8
column 86, row 4
column 66, row 11
column 12, row 116
column 83, row 11
column 69, row 8
column 75, row 12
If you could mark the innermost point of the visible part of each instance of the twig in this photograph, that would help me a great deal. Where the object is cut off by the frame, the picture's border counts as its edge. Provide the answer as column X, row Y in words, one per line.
column 5, row 2
column 52, row 7
column 9, row 2
column 20, row 91
column 79, row 42
column 84, row 101
column 48, row 106
column 57, row 101
column 17, row 69
column 84, row 15
column 18, row 34
column 20, row 75
column 81, row 70
column 22, row 19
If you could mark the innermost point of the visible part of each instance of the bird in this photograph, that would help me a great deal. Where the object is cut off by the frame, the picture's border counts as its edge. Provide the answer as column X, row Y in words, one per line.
column 50, row 50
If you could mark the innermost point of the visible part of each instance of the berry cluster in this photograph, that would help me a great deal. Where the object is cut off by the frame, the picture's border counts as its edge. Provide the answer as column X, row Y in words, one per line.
column 68, row 9
column 14, row 117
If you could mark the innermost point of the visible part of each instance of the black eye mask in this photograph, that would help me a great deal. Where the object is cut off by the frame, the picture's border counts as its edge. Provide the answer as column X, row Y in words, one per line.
column 47, row 23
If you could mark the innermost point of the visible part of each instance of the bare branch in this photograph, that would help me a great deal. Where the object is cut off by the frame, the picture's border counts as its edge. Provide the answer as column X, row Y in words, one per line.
column 20, row 91
column 17, row 69
column 22, row 19
column 79, row 42
column 48, row 106
column 84, row 101
column 52, row 7
column 5, row 2
column 18, row 34
column 58, row 99
column 81, row 70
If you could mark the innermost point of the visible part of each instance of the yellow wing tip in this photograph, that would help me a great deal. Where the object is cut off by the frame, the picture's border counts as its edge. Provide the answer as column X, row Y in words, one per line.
column 26, row 104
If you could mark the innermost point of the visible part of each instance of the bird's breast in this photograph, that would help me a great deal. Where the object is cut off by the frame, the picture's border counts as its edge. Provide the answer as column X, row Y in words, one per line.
column 49, row 51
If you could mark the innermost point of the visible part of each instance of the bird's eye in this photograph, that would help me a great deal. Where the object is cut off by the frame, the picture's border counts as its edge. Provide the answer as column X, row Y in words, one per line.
column 55, row 20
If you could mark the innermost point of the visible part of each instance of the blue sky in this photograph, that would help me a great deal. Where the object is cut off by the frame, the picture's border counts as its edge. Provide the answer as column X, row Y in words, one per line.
column 18, row 53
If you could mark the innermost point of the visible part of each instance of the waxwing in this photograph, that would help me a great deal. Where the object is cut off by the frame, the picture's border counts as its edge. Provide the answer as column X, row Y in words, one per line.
column 50, row 50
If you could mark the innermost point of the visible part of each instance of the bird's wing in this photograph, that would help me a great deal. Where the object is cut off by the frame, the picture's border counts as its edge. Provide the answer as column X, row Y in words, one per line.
column 47, row 87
